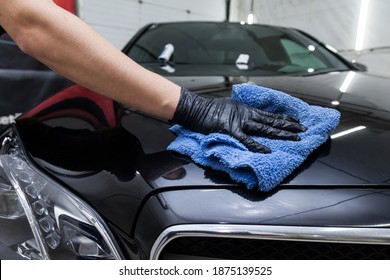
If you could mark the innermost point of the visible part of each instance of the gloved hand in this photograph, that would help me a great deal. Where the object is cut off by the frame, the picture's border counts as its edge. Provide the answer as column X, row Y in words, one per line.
column 233, row 118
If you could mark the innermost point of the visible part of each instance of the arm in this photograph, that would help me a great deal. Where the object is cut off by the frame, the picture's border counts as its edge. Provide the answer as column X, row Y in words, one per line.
column 70, row 47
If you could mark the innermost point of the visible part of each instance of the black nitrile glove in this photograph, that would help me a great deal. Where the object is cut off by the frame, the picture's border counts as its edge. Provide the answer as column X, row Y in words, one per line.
column 233, row 118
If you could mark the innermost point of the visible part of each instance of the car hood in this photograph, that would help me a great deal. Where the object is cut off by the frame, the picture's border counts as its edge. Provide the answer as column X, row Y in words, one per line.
column 357, row 153
column 117, row 160
column 360, row 157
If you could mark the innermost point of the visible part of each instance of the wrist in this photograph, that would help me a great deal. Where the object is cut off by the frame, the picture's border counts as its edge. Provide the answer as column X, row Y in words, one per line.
column 184, row 108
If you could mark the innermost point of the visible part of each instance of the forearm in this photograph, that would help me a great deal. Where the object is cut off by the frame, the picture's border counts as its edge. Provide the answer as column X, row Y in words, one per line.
column 70, row 47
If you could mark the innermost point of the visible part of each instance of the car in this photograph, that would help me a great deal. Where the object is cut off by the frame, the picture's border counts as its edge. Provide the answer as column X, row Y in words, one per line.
column 84, row 177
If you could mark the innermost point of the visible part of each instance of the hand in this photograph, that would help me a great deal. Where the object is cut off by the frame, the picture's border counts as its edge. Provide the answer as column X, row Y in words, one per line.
column 233, row 118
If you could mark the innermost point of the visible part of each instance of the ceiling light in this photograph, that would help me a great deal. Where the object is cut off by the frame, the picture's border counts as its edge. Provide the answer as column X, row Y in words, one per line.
column 251, row 16
column 250, row 19
column 362, row 25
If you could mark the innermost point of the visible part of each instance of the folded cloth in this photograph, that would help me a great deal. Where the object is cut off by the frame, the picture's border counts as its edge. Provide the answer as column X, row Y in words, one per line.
column 257, row 170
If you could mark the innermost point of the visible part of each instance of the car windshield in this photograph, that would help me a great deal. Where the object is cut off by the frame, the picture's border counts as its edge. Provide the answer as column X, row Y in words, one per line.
column 210, row 48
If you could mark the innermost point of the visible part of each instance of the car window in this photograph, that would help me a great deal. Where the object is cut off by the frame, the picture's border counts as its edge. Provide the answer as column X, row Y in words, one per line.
column 230, row 48
column 301, row 55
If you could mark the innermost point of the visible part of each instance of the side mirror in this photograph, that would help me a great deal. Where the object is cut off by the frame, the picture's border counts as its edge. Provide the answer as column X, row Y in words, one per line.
column 359, row 66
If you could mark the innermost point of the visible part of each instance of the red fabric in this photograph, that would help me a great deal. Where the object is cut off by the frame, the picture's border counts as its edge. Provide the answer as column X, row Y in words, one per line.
column 68, row 5
column 77, row 91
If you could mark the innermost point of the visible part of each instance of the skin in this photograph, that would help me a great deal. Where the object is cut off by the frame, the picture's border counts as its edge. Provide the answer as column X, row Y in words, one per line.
column 70, row 47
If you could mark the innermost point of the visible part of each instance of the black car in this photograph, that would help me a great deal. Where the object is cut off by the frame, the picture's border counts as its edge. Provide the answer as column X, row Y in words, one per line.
column 83, row 177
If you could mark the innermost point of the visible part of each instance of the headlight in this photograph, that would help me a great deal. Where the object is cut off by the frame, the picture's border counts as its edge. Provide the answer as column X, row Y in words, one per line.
column 39, row 219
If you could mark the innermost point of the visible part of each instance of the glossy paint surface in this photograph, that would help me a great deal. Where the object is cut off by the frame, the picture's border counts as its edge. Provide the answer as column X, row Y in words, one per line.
column 117, row 167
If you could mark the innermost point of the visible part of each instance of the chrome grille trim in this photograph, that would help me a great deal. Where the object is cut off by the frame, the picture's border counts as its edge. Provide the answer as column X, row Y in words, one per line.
column 375, row 236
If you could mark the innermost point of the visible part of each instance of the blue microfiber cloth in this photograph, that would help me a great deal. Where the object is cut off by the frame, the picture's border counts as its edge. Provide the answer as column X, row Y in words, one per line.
column 256, row 170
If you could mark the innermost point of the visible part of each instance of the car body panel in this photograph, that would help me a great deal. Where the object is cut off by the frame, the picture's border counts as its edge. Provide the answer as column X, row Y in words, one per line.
column 334, row 208
column 116, row 159
column 150, row 169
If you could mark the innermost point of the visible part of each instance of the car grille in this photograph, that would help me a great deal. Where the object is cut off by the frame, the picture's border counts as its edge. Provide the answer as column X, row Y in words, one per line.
column 244, row 249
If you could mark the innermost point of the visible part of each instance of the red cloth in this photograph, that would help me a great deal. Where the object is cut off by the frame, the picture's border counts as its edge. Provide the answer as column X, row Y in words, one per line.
column 68, row 5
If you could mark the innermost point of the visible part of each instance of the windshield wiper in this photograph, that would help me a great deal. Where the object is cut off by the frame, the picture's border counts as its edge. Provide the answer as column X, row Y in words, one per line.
column 318, row 72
